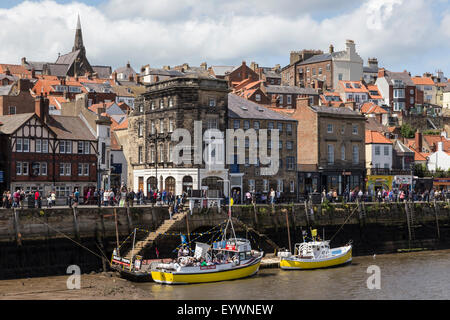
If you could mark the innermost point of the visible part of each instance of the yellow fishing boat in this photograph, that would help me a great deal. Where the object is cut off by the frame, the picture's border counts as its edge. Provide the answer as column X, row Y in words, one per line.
column 227, row 260
column 315, row 255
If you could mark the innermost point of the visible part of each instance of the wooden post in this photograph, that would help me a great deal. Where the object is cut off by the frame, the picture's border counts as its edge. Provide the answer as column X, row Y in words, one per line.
column 117, row 230
column 306, row 212
column 437, row 220
column 287, row 225
column 187, row 227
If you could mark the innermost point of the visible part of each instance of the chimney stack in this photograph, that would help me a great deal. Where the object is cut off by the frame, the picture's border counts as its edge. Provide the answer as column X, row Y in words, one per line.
column 418, row 140
column 204, row 66
column 23, row 85
column 381, row 73
column 41, row 108
column 350, row 46
column 302, row 102
column 331, row 48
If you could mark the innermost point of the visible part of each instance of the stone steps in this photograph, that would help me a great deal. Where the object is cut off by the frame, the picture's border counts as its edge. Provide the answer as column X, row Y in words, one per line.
column 152, row 236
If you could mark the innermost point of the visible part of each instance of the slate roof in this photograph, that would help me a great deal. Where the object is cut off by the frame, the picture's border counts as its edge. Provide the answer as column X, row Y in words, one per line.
column 336, row 111
column 68, row 58
column 5, row 90
column 290, row 90
column 97, row 87
column 103, row 72
column 13, row 122
column 222, row 70
column 320, row 58
column 240, row 108
column 70, row 128
column 404, row 76
column 59, row 70
column 370, row 69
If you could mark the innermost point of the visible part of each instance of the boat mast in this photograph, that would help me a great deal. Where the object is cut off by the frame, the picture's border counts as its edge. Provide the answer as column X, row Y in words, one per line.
column 229, row 213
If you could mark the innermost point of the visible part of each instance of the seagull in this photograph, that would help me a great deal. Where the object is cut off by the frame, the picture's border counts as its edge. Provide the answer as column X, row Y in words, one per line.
column 374, row 256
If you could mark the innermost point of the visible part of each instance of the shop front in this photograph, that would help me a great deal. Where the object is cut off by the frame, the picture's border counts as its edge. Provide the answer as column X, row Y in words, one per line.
column 375, row 183
column 442, row 184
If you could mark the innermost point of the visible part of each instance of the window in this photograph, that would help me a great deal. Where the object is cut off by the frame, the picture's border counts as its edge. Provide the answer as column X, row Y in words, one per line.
column 343, row 129
column 256, row 125
column 355, row 155
column 280, row 185
column 18, row 168
column 343, row 153
column 377, row 150
column 265, row 185
column 355, row 129
column 399, row 93
column 152, row 154
column 161, row 153
column 280, row 126
column 340, row 76
column 411, row 92
column 289, row 128
column 212, row 102
column 170, row 102
column 153, row 105
column 290, row 163
column 258, row 97
column 289, row 145
column 330, row 128
column 140, row 159
column 161, row 103
column 386, row 150
column 292, row 184
column 108, row 132
column 140, row 129
column 24, row 168
column 171, row 126
column 43, row 169
column 141, row 108
column 269, row 144
column 161, row 125
column 26, row 145
column 246, row 124
column 247, row 162
column 83, row 169
column 12, row 110
column 289, row 99
column 281, row 98
column 65, row 146
column 19, row 145
column 251, row 185
column 280, row 145
column 153, row 127
column 330, row 154
column 411, row 99
column 307, row 70
column 270, row 125
column 38, row 145
column 236, row 124
column 280, row 163
column 212, row 123
column 386, row 165
column 247, row 142
column 328, row 67
column 320, row 71
column 44, row 146
column 65, row 169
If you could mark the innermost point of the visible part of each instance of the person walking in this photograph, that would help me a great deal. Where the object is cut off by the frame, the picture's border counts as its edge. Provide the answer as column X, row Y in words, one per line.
column 36, row 199
column 76, row 197
column 53, row 198
column 272, row 196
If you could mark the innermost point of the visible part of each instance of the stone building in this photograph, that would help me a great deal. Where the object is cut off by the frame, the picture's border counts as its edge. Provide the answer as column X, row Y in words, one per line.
column 331, row 152
column 166, row 106
column 244, row 114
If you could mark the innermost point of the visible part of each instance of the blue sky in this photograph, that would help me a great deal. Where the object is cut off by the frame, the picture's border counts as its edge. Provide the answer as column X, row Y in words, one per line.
column 412, row 35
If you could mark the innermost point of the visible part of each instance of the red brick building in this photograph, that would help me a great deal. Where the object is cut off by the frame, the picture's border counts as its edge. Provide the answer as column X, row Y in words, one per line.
column 45, row 152
column 16, row 98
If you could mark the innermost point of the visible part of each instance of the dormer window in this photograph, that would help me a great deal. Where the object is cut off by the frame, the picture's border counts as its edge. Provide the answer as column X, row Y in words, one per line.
column 170, row 102
column 212, row 102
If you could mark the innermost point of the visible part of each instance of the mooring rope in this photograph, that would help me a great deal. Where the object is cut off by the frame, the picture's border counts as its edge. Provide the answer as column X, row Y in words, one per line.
column 65, row 236
column 343, row 224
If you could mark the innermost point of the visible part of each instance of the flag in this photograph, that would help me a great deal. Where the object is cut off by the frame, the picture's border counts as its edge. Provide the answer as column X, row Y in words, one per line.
column 183, row 239
column 157, row 252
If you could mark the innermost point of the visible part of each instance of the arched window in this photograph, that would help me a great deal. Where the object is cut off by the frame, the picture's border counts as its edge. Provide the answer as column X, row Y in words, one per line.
column 170, row 184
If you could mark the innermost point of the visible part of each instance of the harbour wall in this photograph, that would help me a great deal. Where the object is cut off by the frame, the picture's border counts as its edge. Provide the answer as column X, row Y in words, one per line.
column 41, row 242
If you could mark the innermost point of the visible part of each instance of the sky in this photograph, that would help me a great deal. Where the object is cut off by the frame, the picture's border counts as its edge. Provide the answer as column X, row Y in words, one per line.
column 411, row 35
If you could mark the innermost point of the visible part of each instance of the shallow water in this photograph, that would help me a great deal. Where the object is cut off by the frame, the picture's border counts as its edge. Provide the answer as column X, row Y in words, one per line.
column 419, row 275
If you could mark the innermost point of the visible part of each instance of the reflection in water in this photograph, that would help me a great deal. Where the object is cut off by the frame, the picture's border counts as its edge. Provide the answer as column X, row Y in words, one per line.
column 421, row 275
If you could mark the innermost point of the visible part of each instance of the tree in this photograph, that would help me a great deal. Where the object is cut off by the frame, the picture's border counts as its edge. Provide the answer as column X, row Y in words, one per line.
column 407, row 131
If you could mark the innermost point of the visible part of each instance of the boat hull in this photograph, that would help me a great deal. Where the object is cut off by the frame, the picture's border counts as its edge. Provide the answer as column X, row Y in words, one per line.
column 294, row 263
column 202, row 277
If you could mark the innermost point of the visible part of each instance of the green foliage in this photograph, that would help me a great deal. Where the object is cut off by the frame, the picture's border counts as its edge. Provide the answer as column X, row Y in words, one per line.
column 407, row 131
column 432, row 132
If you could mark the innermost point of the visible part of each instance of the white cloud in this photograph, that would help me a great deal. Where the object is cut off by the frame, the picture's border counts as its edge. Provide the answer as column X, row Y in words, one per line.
column 401, row 34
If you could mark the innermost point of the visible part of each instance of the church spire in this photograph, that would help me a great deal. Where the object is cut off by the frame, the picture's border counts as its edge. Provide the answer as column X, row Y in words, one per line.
column 78, row 44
